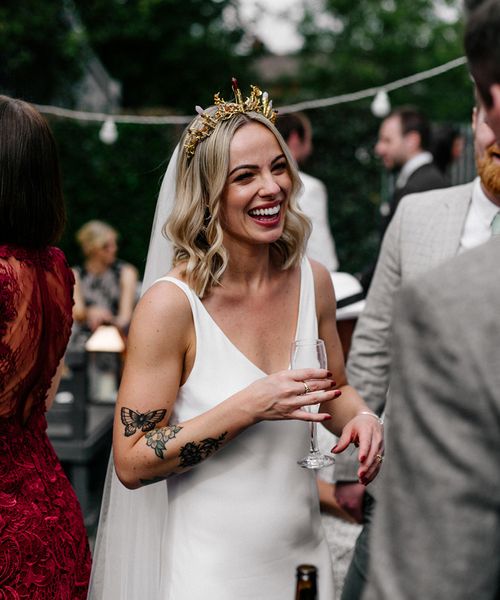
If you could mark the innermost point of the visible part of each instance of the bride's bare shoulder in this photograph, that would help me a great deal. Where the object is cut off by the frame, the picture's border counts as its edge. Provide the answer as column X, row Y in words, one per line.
column 164, row 300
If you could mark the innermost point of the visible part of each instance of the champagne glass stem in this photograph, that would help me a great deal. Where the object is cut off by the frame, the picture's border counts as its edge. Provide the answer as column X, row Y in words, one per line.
column 314, row 437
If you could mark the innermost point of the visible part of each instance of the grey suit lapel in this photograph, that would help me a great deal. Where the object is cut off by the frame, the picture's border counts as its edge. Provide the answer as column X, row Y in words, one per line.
column 447, row 225
column 453, row 224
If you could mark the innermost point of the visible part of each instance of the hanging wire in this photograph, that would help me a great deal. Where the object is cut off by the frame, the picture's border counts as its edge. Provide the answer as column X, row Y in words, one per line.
column 306, row 105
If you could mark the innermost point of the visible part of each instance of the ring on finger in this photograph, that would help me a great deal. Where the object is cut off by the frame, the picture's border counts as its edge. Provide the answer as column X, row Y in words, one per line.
column 379, row 458
column 307, row 389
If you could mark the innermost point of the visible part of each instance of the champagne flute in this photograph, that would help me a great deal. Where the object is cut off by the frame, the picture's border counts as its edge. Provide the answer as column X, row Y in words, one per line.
column 311, row 353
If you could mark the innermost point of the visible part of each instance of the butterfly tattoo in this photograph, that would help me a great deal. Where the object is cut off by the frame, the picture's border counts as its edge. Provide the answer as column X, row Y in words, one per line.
column 134, row 421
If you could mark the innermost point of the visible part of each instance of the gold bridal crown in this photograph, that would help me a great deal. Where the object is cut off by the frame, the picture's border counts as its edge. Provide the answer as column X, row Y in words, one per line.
column 257, row 102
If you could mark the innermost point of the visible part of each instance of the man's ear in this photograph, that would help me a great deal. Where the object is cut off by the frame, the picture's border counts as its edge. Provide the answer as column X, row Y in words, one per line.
column 413, row 141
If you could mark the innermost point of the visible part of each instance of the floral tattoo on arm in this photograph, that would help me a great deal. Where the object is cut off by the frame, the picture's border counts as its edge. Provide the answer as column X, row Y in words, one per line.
column 194, row 452
column 157, row 439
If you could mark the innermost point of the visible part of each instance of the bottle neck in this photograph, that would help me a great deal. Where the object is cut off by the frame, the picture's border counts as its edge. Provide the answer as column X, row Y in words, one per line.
column 306, row 591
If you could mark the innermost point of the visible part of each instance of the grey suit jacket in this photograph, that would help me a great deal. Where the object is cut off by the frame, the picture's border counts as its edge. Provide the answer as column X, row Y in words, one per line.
column 424, row 233
column 436, row 532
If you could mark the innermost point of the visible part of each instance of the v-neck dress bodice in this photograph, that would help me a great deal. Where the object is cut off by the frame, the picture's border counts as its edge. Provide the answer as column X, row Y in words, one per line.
column 240, row 522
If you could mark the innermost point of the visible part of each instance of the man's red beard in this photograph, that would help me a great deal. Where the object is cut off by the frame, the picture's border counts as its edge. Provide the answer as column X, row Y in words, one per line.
column 488, row 169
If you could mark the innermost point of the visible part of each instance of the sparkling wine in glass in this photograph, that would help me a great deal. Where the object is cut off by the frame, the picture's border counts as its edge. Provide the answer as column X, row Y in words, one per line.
column 305, row 354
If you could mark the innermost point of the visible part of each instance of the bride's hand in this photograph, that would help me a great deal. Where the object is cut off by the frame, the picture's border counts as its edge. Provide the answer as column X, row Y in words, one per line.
column 367, row 432
column 282, row 395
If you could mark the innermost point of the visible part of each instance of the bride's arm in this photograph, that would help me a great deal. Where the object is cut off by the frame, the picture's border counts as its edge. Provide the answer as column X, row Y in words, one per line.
column 147, row 445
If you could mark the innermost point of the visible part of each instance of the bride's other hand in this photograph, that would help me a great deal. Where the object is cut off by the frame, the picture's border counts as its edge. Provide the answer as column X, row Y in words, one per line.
column 366, row 432
column 283, row 395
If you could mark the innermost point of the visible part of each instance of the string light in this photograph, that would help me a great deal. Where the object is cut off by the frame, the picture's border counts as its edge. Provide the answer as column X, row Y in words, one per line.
column 381, row 105
column 108, row 133
column 379, row 93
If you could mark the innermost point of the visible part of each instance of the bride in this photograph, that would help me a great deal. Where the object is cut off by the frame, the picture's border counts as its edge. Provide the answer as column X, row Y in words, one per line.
column 209, row 415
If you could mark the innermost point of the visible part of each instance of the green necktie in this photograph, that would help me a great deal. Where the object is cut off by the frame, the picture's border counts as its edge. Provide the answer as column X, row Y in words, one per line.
column 495, row 225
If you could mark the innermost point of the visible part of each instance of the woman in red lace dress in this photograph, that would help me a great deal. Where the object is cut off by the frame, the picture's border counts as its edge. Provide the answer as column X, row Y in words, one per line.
column 44, row 552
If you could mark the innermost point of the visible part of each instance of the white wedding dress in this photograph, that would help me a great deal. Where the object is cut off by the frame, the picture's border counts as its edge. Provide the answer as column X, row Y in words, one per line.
column 240, row 522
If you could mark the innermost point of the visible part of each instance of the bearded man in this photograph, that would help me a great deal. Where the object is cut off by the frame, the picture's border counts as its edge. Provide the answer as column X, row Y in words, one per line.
column 428, row 229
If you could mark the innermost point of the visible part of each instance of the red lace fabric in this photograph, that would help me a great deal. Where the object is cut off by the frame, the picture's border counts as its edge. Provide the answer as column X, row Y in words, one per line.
column 44, row 552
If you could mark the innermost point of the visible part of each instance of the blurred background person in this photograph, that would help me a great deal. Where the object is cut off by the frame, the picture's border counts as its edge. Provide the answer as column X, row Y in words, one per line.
column 105, row 287
column 447, row 146
column 403, row 145
column 45, row 553
column 297, row 132
column 105, row 294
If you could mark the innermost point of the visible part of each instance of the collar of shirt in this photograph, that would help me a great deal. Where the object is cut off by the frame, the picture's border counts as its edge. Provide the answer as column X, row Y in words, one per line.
column 424, row 158
column 477, row 227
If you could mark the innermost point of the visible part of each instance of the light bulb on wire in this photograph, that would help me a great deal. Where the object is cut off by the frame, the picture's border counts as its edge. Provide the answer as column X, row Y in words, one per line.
column 381, row 105
column 108, row 133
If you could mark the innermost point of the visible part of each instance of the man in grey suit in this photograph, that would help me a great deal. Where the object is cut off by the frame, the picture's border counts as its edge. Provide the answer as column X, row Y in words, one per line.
column 427, row 230
column 437, row 529
column 436, row 533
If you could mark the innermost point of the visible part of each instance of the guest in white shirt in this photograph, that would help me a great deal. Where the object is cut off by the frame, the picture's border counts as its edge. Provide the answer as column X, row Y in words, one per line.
column 297, row 133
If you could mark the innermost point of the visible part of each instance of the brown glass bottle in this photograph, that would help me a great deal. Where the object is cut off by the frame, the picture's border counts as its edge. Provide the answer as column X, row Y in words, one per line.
column 307, row 588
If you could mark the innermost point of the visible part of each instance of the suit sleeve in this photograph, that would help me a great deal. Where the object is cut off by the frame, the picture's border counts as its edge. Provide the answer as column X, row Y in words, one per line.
column 436, row 532
column 369, row 356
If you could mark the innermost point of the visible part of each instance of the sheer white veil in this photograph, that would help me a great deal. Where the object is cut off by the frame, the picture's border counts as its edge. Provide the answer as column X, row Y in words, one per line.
column 127, row 559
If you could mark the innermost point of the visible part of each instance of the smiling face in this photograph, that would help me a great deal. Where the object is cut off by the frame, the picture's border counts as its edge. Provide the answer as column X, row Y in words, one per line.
column 255, row 197
column 487, row 154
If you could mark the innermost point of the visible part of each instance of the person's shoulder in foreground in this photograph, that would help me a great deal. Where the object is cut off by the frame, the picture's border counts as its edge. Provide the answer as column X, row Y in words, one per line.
column 443, row 438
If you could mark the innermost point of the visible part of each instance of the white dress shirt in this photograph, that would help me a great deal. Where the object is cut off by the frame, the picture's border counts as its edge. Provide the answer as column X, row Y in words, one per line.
column 314, row 202
column 477, row 227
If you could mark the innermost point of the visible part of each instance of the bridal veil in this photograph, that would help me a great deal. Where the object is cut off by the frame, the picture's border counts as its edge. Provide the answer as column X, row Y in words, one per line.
column 127, row 558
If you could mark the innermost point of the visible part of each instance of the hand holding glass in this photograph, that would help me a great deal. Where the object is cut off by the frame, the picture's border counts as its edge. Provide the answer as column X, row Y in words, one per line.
column 311, row 353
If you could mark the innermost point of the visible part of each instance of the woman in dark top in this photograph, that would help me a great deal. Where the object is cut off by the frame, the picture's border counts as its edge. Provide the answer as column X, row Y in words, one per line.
column 106, row 288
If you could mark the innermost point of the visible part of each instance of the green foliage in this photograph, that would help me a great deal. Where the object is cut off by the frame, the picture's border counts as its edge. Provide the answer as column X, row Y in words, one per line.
column 38, row 51
column 165, row 52
column 118, row 184
column 343, row 159
column 371, row 42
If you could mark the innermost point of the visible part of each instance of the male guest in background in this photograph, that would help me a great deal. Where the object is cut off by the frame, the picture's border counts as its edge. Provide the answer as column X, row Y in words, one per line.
column 482, row 46
column 436, row 532
column 404, row 143
column 427, row 230
column 297, row 133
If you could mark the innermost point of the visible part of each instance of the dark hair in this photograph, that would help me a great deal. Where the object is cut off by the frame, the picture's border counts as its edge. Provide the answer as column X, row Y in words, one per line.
column 443, row 140
column 32, row 211
column 482, row 46
column 288, row 123
column 470, row 5
column 412, row 119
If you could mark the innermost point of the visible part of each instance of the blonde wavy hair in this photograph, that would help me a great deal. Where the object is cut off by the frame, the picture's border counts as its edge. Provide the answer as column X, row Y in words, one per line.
column 194, row 226
column 93, row 235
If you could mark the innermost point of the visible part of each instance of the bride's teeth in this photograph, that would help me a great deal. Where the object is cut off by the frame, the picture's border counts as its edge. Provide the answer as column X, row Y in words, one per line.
column 265, row 212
